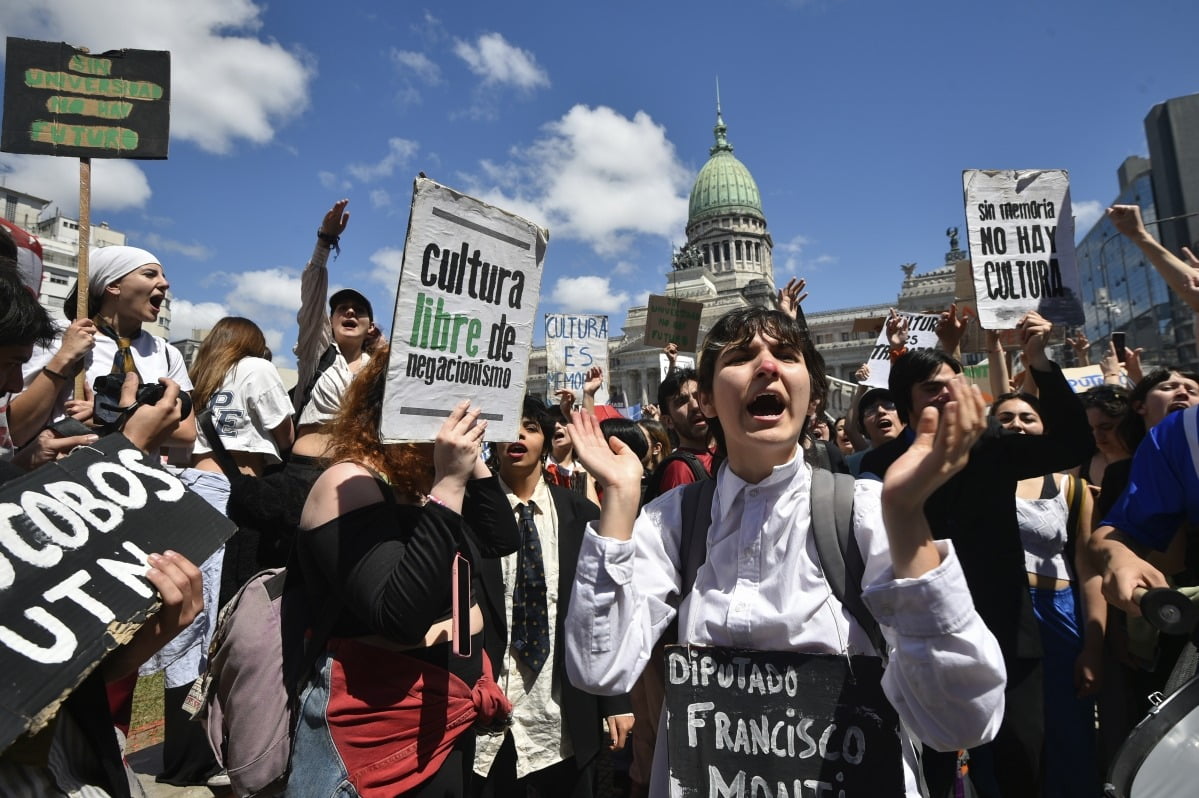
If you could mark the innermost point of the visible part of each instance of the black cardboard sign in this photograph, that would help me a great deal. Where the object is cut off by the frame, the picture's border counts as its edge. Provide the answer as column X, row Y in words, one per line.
column 74, row 536
column 673, row 321
column 744, row 723
column 59, row 100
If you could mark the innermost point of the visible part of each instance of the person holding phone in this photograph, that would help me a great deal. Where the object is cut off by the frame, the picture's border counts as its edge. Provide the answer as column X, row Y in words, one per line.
column 396, row 695
column 552, row 743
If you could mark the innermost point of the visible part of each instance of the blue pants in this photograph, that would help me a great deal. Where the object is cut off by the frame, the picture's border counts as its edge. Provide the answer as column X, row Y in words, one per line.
column 1071, row 768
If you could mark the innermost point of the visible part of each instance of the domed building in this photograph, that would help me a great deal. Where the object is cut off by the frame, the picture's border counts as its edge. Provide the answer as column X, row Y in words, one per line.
column 726, row 228
column 727, row 263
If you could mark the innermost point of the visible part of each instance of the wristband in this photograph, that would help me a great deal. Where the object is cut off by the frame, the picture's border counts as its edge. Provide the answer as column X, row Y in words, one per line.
column 49, row 372
column 333, row 241
column 430, row 497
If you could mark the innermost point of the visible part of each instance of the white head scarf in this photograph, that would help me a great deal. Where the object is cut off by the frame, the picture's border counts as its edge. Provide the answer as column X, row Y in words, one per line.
column 106, row 265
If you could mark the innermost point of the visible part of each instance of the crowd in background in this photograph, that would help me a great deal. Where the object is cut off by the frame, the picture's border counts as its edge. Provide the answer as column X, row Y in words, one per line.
column 985, row 539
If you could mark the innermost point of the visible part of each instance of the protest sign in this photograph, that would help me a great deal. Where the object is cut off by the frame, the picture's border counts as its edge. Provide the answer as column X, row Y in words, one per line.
column 74, row 537
column 1083, row 378
column 575, row 344
column 922, row 334
column 464, row 314
column 746, row 723
column 673, row 321
column 1022, row 246
column 680, row 362
column 60, row 100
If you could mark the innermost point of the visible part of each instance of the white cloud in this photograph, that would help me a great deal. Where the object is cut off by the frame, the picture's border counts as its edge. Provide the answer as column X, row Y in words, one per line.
column 116, row 184
column 588, row 294
column 796, row 260
column 624, row 268
column 596, row 176
column 1086, row 213
column 268, row 296
column 418, row 64
column 399, row 152
column 188, row 316
column 226, row 83
column 492, row 58
column 387, row 263
column 380, row 198
column 332, row 182
column 157, row 243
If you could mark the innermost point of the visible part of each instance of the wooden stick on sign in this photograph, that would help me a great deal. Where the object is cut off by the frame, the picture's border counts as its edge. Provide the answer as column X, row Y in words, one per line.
column 85, row 234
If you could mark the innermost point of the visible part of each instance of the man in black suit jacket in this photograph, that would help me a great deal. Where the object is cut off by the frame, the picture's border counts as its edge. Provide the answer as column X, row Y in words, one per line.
column 976, row 509
column 556, row 731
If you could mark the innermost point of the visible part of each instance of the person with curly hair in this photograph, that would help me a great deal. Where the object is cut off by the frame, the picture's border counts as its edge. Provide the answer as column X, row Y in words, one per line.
column 394, row 697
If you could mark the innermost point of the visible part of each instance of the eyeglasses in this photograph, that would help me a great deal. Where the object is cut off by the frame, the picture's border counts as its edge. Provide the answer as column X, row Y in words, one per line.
column 883, row 406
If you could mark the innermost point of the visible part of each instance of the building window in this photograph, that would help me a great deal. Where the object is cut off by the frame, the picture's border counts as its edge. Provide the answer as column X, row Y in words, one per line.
column 726, row 251
column 844, row 336
column 10, row 208
column 737, row 248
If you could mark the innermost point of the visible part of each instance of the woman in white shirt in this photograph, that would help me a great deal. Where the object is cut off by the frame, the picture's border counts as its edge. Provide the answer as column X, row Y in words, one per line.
column 760, row 586
column 250, row 410
column 127, row 288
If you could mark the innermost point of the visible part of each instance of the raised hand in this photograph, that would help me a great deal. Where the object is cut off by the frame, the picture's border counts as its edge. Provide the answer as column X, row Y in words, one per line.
column 335, row 220
column 609, row 460
column 456, row 448
column 791, row 295
column 1034, row 332
column 897, row 330
column 951, row 328
column 595, row 381
column 941, row 449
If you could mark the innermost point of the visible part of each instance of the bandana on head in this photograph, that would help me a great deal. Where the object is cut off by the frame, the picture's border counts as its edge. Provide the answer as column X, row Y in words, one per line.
column 106, row 265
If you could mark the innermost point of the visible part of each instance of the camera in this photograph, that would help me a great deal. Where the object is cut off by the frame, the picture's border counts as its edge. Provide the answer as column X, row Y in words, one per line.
column 107, row 412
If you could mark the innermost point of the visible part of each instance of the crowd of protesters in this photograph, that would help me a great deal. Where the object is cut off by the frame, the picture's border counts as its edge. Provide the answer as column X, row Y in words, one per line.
column 986, row 540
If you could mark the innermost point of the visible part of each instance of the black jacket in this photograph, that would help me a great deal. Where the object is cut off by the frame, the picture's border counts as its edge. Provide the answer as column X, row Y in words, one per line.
column 976, row 509
column 582, row 712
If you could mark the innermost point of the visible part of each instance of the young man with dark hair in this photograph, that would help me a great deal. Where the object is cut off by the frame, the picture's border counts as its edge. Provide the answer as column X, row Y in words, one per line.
column 554, row 737
column 878, row 419
column 678, row 404
column 976, row 509
column 760, row 586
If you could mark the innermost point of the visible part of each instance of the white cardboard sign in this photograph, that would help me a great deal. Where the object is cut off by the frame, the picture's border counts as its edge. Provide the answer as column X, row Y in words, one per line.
column 922, row 334
column 1021, row 233
column 574, row 344
column 465, row 308
column 680, row 362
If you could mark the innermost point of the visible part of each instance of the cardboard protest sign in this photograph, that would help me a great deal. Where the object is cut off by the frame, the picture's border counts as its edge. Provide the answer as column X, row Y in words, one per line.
column 1083, row 378
column 464, row 314
column 680, row 362
column 74, row 537
column 574, row 344
column 59, row 100
column 673, row 321
column 740, row 723
column 1022, row 246
column 922, row 334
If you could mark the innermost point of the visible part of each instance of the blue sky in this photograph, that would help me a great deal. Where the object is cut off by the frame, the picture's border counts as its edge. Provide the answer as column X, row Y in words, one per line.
column 856, row 117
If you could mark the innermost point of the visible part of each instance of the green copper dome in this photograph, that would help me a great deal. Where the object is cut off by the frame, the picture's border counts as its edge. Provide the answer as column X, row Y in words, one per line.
column 724, row 186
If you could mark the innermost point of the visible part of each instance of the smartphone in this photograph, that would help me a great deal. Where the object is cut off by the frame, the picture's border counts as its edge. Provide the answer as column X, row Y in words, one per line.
column 69, row 428
column 460, row 601
column 1118, row 342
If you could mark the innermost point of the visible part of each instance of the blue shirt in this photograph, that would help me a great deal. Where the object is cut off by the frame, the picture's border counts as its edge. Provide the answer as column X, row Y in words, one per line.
column 1163, row 489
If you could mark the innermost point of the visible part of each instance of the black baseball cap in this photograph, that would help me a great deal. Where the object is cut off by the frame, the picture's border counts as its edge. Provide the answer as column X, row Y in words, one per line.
column 353, row 297
column 868, row 399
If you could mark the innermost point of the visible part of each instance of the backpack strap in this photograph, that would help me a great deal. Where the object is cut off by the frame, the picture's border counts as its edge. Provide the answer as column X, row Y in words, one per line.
column 219, row 452
column 693, row 542
column 837, row 548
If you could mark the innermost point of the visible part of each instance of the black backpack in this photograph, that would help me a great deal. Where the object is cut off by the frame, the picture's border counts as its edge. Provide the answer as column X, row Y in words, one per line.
column 653, row 485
